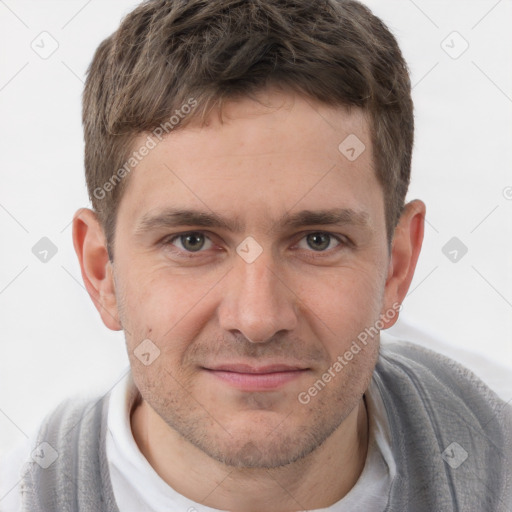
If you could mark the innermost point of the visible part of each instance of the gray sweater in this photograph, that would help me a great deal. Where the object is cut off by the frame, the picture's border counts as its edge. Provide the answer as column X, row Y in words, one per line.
column 451, row 438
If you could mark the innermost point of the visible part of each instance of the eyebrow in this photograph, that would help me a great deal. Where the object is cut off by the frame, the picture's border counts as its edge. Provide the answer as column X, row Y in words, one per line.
column 335, row 216
column 171, row 218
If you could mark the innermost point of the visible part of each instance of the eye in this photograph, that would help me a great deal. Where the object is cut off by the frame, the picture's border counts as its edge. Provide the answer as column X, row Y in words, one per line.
column 191, row 242
column 319, row 241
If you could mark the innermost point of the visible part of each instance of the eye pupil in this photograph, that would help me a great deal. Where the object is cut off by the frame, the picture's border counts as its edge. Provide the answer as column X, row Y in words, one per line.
column 318, row 241
column 193, row 241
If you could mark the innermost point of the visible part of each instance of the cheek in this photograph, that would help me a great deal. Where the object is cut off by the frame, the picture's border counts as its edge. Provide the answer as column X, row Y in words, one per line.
column 164, row 305
column 342, row 304
column 346, row 291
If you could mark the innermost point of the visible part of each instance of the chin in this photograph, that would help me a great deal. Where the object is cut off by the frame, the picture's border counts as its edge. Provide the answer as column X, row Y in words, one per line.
column 262, row 448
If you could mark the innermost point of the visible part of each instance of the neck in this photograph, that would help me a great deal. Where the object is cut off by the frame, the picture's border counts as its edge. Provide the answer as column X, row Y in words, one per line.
column 316, row 481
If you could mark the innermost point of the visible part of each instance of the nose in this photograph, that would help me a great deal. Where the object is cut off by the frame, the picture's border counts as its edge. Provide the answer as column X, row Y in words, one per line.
column 257, row 301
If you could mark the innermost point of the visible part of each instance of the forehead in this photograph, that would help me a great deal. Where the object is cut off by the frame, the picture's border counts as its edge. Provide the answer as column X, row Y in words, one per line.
column 261, row 159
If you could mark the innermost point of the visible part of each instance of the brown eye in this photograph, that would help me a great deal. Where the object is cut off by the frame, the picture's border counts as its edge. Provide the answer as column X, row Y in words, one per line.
column 319, row 241
column 191, row 242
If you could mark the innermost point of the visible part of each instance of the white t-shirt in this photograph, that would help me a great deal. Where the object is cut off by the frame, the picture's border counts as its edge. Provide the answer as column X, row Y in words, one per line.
column 138, row 487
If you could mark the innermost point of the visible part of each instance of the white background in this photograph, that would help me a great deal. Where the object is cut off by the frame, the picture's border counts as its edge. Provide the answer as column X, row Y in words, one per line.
column 53, row 343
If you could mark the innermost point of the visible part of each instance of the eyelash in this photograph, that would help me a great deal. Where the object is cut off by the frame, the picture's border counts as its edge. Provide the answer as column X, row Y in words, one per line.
column 342, row 240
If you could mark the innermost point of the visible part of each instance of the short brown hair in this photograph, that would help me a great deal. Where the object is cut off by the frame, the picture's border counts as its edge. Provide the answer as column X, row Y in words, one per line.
column 166, row 52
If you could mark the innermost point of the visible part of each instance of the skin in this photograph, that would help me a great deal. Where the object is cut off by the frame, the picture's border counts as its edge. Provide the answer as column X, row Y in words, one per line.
column 301, row 302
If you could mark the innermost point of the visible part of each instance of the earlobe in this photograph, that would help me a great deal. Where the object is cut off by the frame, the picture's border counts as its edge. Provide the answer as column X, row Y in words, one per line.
column 406, row 248
column 90, row 247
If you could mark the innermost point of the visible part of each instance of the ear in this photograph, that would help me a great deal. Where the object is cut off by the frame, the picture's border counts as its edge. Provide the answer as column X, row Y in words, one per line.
column 91, row 249
column 406, row 247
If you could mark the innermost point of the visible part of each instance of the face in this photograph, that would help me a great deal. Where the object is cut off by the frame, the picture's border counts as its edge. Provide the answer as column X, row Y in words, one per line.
column 252, row 252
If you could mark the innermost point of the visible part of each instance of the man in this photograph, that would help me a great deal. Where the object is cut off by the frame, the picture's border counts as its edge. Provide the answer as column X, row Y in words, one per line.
column 247, row 164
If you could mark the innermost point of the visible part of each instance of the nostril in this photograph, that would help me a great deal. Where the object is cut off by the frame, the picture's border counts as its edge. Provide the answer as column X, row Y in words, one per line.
column 254, row 340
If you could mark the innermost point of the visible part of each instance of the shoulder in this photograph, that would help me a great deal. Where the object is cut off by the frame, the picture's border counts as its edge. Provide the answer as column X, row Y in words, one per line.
column 451, row 434
column 68, row 443
column 427, row 379
column 403, row 362
column 74, row 425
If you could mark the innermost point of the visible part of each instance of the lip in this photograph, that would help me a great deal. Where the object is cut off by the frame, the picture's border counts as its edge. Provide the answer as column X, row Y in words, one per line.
column 256, row 378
